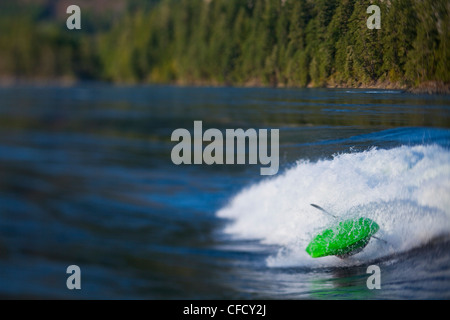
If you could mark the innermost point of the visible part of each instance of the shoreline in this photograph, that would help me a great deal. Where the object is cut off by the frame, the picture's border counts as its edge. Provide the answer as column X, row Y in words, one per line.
column 428, row 87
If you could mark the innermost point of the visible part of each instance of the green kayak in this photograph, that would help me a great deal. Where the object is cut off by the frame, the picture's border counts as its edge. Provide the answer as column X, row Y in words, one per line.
column 345, row 239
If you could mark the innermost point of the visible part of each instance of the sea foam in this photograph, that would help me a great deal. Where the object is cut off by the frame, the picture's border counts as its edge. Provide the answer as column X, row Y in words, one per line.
column 405, row 190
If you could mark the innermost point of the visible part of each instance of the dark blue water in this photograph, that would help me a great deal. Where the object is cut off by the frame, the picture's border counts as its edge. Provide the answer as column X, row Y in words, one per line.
column 86, row 179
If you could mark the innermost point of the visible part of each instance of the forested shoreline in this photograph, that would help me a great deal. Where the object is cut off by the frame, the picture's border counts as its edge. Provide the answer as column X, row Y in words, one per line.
column 290, row 43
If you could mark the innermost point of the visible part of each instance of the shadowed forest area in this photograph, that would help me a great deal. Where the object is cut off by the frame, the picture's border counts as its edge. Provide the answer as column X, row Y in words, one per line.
column 281, row 43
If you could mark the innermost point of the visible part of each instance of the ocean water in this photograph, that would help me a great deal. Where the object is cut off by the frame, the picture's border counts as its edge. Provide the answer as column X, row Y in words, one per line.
column 86, row 179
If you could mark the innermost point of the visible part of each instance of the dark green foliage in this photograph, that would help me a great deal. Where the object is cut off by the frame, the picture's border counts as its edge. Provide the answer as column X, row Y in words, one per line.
column 428, row 59
column 238, row 42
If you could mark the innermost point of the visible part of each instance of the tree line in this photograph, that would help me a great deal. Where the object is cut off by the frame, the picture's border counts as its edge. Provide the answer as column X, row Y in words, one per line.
column 295, row 43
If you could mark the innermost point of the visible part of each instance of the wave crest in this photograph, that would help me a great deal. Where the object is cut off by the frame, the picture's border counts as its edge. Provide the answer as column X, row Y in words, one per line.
column 405, row 190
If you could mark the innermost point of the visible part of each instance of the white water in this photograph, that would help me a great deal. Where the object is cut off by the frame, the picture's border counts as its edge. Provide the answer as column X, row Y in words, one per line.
column 406, row 190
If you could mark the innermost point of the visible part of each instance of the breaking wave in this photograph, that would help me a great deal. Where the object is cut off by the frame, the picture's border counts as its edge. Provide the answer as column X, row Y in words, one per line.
column 405, row 190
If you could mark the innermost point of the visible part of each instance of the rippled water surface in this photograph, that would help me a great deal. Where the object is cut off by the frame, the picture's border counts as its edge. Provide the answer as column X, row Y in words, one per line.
column 86, row 179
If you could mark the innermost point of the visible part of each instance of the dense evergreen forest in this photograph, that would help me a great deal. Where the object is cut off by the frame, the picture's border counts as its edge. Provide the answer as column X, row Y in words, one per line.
column 232, row 42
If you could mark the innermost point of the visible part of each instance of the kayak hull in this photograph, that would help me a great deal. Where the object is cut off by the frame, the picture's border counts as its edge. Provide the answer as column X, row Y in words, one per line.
column 345, row 239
